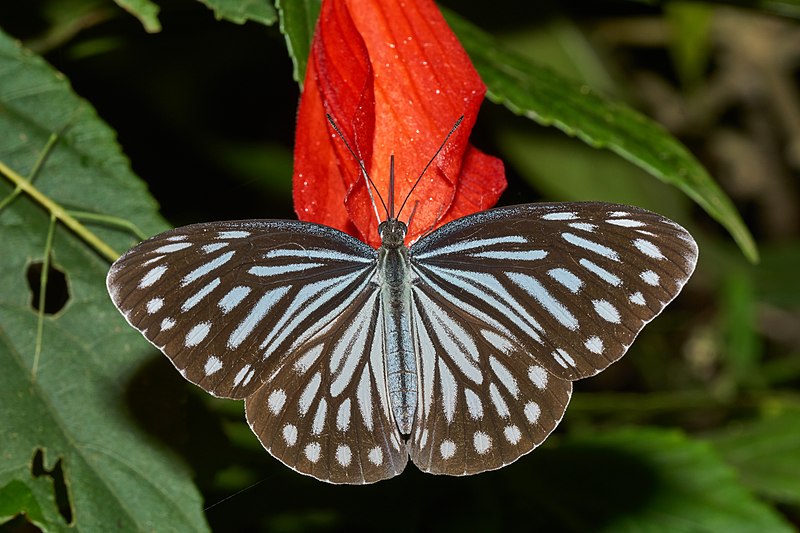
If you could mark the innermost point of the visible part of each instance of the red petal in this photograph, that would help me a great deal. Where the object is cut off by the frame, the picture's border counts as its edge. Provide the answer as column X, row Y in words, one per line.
column 395, row 79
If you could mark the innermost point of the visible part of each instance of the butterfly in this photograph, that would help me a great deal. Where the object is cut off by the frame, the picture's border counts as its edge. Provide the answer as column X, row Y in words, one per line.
column 458, row 352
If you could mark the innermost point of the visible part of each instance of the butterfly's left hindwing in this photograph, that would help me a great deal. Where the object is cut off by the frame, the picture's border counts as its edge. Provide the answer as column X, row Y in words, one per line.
column 229, row 302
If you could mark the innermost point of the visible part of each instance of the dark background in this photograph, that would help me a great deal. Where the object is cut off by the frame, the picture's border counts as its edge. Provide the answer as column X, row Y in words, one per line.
column 205, row 110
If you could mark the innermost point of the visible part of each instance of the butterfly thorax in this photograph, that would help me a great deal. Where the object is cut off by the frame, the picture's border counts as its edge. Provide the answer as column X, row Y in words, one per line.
column 395, row 282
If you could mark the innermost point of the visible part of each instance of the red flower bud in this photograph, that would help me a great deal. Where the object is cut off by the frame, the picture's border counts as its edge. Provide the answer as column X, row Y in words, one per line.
column 395, row 79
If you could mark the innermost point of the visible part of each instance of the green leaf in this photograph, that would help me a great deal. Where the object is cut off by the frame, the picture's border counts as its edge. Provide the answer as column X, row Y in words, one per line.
column 742, row 344
column 240, row 11
column 640, row 480
column 539, row 94
column 558, row 167
column 298, row 19
column 17, row 498
column 690, row 39
column 766, row 452
column 67, row 387
column 145, row 10
column 776, row 276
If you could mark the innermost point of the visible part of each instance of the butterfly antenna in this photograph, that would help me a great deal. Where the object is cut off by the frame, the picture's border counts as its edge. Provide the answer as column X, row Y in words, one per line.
column 411, row 217
column 452, row 130
column 391, row 187
column 369, row 190
column 370, row 183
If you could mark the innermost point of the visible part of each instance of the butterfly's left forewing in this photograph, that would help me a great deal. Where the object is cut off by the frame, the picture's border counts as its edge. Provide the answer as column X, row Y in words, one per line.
column 229, row 302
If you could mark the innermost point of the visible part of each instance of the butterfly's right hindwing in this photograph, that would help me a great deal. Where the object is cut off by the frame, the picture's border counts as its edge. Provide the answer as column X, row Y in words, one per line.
column 230, row 302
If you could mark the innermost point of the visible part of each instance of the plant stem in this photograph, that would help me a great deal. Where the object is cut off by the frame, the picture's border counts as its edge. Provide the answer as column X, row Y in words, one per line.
column 59, row 213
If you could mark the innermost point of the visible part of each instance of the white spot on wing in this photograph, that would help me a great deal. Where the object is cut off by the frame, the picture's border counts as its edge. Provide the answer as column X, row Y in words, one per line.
column 512, row 433
column 319, row 417
column 152, row 276
column 364, row 397
column 592, row 246
column 240, row 375
column 532, row 412
column 560, row 216
column 375, row 456
column 556, row 309
column 207, row 267
column 463, row 246
column 512, row 255
column 199, row 295
column 213, row 364
column 498, row 401
column 625, row 223
column 153, row 260
column 474, row 404
column 498, row 341
column 154, row 305
column 650, row 277
column 584, row 226
column 482, row 442
column 343, row 416
column 213, row 247
column 268, row 271
column 606, row 311
column 169, row 248
column 538, row 376
column 256, row 314
column 563, row 358
column 233, row 234
column 505, row 377
column 290, row 434
column 449, row 391
column 447, row 449
column 276, row 400
column 566, row 278
column 648, row 248
column 197, row 334
column 313, row 451
column 304, row 363
column 637, row 298
column 233, row 298
column 309, row 393
column 423, row 440
column 594, row 345
column 343, row 454
column 316, row 254
column 601, row 272
column 167, row 323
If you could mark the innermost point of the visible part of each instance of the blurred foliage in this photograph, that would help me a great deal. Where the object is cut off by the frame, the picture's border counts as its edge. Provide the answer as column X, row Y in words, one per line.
column 697, row 428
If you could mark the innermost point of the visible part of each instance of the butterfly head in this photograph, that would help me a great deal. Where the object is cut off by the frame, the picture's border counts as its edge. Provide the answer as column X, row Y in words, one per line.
column 392, row 232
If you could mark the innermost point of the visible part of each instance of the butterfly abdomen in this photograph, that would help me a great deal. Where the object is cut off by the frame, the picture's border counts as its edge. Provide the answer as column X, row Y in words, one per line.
column 401, row 366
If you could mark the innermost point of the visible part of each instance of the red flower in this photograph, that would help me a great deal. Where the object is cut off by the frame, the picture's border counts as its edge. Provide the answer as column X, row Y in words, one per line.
column 395, row 79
